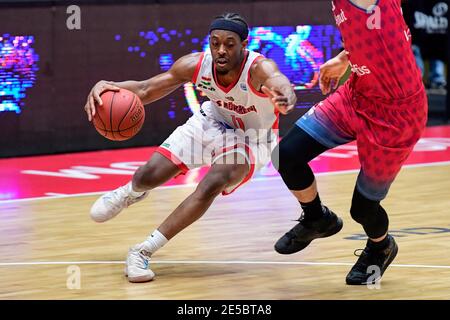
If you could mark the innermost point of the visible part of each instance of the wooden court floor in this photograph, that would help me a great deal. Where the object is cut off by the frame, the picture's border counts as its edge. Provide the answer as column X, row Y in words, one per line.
column 228, row 254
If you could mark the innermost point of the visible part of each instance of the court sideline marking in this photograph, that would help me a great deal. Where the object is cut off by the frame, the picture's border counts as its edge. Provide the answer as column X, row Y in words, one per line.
column 236, row 262
column 12, row 264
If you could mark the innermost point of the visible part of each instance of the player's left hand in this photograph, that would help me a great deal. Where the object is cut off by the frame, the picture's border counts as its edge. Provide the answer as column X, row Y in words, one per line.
column 279, row 100
column 331, row 73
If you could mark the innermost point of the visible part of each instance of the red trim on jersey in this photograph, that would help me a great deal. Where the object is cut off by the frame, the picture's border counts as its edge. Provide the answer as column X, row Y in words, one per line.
column 197, row 69
column 231, row 86
column 276, row 124
column 250, row 173
column 249, row 83
column 169, row 155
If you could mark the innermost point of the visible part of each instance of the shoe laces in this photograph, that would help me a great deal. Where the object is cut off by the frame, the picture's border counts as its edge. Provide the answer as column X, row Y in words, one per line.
column 301, row 218
column 293, row 232
column 358, row 252
column 140, row 258
column 121, row 198
column 368, row 257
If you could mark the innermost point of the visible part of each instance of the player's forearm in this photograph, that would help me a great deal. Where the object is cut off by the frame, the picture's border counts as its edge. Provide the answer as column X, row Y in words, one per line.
column 281, row 83
column 159, row 86
column 131, row 85
column 150, row 90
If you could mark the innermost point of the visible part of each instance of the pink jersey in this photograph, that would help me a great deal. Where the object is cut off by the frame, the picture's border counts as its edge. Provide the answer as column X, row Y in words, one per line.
column 379, row 46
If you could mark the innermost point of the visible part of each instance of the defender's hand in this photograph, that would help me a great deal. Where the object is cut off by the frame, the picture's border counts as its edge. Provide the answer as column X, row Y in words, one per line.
column 280, row 101
column 331, row 73
column 94, row 97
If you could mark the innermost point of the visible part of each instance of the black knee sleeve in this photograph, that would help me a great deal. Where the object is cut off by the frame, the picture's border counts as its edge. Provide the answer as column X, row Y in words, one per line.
column 291, row 158
column 370, row 214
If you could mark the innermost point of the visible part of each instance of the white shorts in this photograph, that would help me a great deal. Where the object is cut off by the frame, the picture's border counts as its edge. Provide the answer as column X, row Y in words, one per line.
column 203, row 141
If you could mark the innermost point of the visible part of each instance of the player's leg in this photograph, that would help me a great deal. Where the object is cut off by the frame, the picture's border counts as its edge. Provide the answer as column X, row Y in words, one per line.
column 371, row 188
column 383, row 147
column 219, row 178
column 202, row 142
column 173, row 157
column 324, row 127
column 381, row 247
column 154, row 173
column 295, row 151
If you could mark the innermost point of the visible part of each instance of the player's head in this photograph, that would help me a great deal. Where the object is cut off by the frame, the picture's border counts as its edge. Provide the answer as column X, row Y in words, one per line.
column 228, row 39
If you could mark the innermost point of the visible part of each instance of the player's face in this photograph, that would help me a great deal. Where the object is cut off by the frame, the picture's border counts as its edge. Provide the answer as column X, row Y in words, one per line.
column 227, row 50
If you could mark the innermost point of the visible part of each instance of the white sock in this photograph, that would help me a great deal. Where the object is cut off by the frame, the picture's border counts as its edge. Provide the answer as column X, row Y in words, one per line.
column 155, row 241
column 134, row 194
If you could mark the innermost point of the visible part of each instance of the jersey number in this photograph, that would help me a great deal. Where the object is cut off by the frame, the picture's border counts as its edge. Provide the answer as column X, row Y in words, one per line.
column 238, row 123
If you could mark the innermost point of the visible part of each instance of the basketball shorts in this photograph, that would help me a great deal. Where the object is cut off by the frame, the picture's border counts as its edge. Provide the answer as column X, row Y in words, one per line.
column 385, row 132
column 204, row 140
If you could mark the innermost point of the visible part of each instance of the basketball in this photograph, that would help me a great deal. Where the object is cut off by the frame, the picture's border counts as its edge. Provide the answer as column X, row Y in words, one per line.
column 121, row 116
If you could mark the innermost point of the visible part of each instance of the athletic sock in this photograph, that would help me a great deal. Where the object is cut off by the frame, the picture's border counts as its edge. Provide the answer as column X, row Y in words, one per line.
column 313, row 210
column 155, row 241
column 378, row 245
column 134, row 194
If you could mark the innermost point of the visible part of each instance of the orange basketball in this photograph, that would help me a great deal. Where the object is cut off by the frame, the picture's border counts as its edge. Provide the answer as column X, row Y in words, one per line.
column 121, row 116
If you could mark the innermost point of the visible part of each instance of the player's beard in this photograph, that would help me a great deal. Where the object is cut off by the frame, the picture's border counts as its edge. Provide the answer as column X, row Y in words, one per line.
column 228, row 67
column 223, row 72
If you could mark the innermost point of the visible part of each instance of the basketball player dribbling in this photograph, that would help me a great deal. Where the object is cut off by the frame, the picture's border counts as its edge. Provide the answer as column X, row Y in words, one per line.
column 230, row 132
column 383, row 106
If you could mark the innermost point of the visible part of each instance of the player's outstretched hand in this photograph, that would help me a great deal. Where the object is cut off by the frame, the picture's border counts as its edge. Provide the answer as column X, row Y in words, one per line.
column 279, row 100
column 331, row 73
column 94, row 96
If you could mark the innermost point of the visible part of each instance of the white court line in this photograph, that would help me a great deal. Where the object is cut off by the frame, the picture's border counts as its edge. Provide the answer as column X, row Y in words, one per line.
column 239, row 262
column 409, row 166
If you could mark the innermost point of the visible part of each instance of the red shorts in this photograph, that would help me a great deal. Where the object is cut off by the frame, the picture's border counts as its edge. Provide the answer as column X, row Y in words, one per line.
column 385, row 132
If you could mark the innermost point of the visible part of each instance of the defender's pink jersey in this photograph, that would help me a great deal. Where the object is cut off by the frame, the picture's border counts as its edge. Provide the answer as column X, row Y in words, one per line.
column 379, row 45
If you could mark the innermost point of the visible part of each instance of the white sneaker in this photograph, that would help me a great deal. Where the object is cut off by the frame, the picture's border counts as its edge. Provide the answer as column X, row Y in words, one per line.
column 112, row 203
column 136, row 268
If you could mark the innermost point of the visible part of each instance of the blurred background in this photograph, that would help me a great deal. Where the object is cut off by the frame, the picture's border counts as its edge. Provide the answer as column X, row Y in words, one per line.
column 49, row 61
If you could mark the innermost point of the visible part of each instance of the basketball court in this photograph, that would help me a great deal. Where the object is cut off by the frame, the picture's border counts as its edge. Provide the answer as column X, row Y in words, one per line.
column 180, row 60
column 47, row 236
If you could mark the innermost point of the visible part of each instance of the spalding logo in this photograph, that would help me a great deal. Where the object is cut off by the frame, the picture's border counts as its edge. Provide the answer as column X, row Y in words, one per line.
column 440, row 9
column 137, row 115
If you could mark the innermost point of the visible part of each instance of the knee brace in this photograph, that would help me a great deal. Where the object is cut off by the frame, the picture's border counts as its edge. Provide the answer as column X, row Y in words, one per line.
column 370, row 214
column 291, row 158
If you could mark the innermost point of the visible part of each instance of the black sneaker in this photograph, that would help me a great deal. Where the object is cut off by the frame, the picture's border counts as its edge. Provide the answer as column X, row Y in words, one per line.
column 360, row 273
column 300, row 236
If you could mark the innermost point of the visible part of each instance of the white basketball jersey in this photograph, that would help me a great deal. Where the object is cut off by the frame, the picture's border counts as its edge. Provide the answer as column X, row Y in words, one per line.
column 239, row 106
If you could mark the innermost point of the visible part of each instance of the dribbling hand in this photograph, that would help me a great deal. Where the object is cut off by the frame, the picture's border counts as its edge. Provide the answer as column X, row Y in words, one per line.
column 94, row 97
